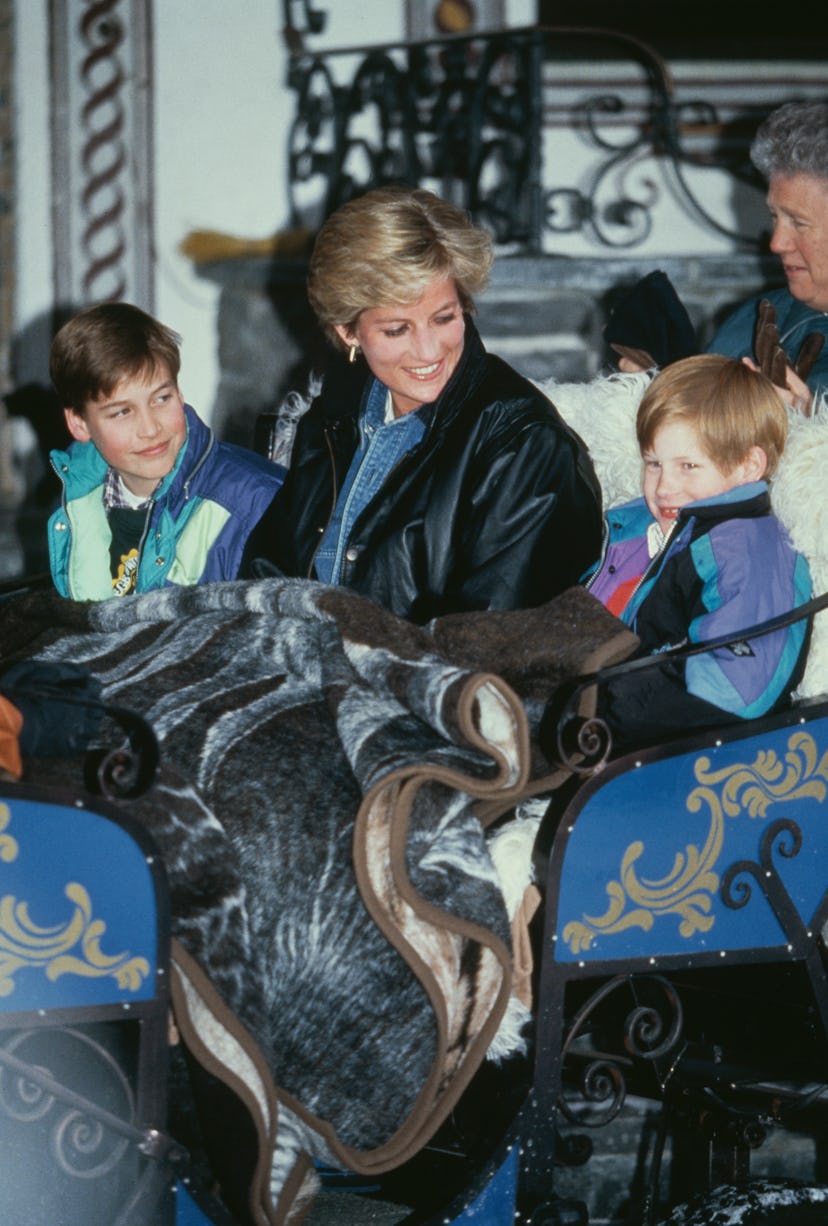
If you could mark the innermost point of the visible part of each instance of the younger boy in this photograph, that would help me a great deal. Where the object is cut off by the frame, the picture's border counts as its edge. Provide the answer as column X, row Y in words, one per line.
column 701, row 555
column 150, row 497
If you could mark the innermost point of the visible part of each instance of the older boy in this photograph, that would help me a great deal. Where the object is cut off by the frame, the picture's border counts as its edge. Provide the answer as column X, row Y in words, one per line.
column 150, row 497
column 701, row 554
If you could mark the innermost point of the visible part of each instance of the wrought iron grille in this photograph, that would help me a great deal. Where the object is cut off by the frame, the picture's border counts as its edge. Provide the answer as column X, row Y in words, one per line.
column 538, row 132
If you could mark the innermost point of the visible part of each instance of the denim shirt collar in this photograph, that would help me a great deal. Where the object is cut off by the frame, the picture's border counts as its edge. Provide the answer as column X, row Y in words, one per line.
column 382, row 444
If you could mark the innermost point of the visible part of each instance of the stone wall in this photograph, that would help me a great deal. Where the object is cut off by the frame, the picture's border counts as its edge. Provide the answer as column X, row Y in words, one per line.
column 544, row 315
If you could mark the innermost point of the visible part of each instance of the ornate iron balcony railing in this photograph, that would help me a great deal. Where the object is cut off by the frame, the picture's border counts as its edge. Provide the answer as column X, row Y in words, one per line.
column 539, row 132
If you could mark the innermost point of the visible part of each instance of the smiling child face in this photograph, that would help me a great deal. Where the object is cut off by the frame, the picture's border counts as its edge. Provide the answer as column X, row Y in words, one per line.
column 678, row 470
column 139, row 428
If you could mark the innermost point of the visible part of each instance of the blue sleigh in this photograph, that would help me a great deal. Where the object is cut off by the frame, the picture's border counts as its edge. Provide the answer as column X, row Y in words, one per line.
column 686, row 886
column 84, row 1020
column 682, row 968
column 680, row 961
column 83, row 993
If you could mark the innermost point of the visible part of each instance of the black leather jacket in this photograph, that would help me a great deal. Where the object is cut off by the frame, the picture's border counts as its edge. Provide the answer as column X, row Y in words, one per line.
column 497, row 506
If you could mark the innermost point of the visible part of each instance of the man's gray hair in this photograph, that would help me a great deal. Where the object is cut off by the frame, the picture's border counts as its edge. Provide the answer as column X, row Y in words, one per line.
column 793, row 140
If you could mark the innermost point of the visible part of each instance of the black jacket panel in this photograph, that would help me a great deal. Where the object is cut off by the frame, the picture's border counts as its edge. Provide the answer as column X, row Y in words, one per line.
column 497, row 506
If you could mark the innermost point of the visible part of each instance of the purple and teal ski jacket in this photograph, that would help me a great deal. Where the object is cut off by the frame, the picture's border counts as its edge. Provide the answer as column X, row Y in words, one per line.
column 197, row 522
column 727, row 564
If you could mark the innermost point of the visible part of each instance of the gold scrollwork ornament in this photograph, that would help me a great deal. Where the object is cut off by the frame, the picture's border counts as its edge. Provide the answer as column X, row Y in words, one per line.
column 73, row 947
column 688, row 890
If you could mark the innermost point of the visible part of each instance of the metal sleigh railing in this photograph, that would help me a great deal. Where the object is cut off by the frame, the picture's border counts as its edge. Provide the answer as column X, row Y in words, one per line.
column 471, row 116
column 584, row 744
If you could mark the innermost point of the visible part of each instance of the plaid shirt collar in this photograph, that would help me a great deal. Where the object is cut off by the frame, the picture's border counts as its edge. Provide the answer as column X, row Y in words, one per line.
column 113, row 493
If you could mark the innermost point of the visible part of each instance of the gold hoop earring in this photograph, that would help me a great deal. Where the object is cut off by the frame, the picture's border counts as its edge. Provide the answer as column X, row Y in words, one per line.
column 352, row 353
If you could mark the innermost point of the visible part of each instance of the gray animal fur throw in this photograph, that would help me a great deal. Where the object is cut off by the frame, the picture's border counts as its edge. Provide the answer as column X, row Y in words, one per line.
column 341, row 958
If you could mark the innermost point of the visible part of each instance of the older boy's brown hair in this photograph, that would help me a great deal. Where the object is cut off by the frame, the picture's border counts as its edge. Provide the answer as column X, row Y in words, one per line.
column 731, row 407
column 104, row 344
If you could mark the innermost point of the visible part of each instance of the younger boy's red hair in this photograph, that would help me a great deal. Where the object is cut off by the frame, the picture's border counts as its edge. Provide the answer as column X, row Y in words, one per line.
column 731, row 407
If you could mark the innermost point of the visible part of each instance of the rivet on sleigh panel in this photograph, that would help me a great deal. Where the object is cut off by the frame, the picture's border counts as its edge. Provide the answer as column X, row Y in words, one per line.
column 701, row 854
column 78, row 923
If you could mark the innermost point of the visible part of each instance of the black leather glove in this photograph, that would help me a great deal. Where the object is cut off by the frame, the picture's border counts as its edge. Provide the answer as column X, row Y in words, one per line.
column 649, row 324
column 771, row 357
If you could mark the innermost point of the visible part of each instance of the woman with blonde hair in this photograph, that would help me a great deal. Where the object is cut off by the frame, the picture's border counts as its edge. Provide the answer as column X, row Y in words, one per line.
column 427, row 474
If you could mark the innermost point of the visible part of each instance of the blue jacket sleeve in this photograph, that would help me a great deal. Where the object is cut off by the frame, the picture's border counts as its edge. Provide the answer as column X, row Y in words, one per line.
column 727, row 589
column 749, row 678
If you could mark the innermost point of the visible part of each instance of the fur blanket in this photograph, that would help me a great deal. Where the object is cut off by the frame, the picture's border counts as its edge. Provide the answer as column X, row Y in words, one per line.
column 341, row 961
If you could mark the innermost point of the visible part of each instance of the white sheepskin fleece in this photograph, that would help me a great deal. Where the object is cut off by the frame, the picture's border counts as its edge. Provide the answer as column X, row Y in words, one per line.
column 512, row 1034
column 510, row 847
column 603, row 414
column 800, row 499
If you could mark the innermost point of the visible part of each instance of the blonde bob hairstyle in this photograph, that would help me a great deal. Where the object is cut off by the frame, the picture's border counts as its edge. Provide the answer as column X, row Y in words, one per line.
column 386, row 247
column 731, row 407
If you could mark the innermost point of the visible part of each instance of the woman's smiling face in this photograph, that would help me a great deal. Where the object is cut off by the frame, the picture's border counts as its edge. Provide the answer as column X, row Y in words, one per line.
column 413, row 348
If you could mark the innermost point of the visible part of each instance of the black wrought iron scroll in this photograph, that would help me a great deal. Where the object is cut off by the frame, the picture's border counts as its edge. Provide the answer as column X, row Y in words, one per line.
column 70, row 1112
column 646, row 1025
column 459, row 115
column 302, row 18
column 583, row 743
column 489, row 121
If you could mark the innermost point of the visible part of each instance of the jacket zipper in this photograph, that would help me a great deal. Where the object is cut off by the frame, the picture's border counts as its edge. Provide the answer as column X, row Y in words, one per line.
column 654, row 564
column 329, row 445
column 186, row 491
column 605, row 540
column 205, row 455
column 144, row 535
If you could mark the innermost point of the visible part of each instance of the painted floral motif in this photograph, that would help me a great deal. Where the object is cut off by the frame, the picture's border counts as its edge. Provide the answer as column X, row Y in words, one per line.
column 73, row 947
column 688, row 890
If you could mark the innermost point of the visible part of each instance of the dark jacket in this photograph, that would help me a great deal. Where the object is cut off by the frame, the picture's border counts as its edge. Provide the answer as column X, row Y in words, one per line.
column 728, row 564
column 497, row 506
column 795, row 321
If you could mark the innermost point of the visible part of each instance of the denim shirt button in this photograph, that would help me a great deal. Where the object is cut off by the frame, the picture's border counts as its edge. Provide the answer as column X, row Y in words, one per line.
column 351, row 554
